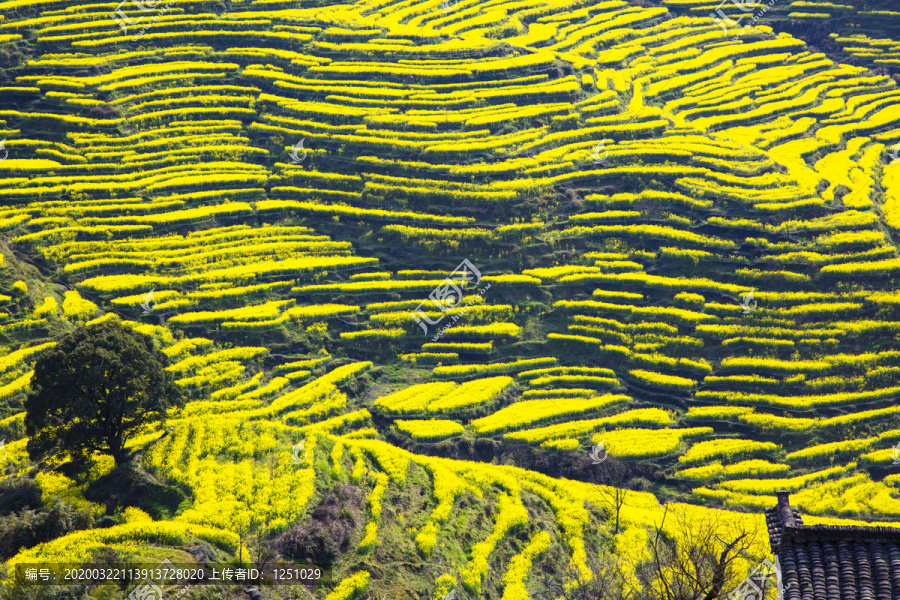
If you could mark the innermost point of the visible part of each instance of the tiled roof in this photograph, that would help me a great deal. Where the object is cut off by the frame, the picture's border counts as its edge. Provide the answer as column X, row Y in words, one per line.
column 773, row 523
column 830, row 562
column 839, row 569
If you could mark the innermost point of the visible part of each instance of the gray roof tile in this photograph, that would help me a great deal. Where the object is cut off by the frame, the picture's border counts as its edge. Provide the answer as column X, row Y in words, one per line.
column 834, row 562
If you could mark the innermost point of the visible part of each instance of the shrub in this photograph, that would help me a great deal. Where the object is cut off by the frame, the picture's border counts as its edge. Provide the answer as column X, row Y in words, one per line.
column 332, row 525
column 771, row 423
column 689, row 300
column 646, row 443
column 471, row 394
column 532, row 412
column 415, row 398
column 489, row 369
column 29, row 527
column 48, row 308
column 77, row 308
column 754, row 468
column 430, row 430
column 350, row 587
column 663, row 381
column 716, row 412
column 727, row 448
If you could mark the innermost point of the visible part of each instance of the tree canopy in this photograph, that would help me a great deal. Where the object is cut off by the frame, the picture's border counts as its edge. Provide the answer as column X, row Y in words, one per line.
column 94, row 390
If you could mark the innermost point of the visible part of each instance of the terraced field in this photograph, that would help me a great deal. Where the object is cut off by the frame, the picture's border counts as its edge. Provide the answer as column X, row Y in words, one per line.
column 681, row 246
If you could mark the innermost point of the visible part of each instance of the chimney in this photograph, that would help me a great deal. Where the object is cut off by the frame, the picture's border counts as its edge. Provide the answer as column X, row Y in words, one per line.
column 783, row 508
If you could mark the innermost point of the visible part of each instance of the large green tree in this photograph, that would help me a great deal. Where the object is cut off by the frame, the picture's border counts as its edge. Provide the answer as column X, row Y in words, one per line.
column 95, row 389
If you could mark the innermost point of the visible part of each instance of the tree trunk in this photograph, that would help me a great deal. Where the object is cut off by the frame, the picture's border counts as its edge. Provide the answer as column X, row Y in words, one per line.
column 117, row 449
column 618, row 510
